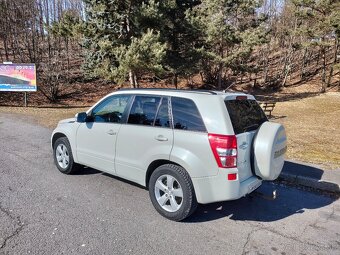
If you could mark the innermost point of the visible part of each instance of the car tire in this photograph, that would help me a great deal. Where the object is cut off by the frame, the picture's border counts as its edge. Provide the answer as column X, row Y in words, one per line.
column 63, row 157
column 172, row 192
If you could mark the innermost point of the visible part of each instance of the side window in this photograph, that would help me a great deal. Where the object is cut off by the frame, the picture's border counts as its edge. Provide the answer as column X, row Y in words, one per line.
column 186, row 115
column 111, row 110
column 162, row 119
column 143, row 110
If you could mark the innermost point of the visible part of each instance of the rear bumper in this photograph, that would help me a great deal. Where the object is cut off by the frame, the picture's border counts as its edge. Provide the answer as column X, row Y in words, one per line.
column 218, row 188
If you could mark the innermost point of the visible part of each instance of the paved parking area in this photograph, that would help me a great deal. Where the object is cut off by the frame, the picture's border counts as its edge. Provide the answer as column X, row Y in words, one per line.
column 45, row 212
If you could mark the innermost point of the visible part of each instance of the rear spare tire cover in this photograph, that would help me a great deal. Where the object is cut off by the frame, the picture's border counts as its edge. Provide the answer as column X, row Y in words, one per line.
column 270, row 146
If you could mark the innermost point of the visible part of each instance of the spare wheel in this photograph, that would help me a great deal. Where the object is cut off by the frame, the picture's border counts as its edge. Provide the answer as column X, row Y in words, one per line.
column 270, row 146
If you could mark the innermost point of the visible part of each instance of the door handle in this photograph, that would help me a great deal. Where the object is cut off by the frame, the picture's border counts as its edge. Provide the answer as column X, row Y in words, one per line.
column 161, row 138
column 111, row 132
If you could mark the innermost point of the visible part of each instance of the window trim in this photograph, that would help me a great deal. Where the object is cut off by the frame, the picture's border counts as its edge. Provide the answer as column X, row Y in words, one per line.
column 156, row 114
column 169, row 115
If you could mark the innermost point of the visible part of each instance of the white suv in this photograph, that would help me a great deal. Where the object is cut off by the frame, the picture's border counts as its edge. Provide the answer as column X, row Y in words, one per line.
column 186, row 147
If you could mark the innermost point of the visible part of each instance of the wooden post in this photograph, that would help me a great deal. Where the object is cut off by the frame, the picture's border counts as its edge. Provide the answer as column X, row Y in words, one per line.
column 25, row 99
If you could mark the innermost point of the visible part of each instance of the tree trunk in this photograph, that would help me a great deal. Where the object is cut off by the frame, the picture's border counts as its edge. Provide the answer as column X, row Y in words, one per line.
column 288, row 59
column 285, row 76
column 303, row 64
column 265, row 78
column 286, row 69
column 335, row 58
column 48, row 24
column 6, row 49
column 220, row 66
column 175, row 80
column 202, row 76
column 136, row 80
column 68, row 56
column 219, row 81
column 323, row 75
column 41, row 20
column 317, row 58
column 133, row 79
column 265, row 65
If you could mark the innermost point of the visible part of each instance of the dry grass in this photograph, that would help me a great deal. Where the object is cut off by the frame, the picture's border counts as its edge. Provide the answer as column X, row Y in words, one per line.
column 312, row 124
column 47, row 117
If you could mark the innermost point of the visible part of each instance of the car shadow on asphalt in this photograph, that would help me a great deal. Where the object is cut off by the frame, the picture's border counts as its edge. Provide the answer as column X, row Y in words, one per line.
column 87, row 171
column 289, row 201
column 311, row 175
column 299, row 169
column 91, row 171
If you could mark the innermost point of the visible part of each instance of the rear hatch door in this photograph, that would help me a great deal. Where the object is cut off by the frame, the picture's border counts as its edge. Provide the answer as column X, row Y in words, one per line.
column 246, row 117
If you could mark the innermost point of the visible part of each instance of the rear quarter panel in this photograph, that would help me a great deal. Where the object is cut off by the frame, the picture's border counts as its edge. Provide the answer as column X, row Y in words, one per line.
column 214, row 114
column 192, row 151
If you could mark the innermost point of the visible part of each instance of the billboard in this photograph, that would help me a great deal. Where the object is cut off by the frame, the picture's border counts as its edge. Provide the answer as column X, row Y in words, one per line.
column 18, row 77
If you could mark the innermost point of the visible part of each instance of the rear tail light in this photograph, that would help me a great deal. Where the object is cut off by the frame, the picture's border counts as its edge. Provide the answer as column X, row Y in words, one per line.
column 224, row 148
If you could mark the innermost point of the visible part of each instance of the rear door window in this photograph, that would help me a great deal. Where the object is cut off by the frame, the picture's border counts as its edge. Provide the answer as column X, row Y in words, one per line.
column 245, row 115
column 186, row 115
column 143, row 110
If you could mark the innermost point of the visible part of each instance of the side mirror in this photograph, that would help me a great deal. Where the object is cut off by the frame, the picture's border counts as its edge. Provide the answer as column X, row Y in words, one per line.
column 81, row 117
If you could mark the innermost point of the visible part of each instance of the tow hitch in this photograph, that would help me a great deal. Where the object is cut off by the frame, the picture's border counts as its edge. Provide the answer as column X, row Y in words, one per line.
column 264, row 196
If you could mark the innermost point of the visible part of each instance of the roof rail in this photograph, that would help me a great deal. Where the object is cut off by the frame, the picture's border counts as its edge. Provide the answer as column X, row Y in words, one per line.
column 174, row 90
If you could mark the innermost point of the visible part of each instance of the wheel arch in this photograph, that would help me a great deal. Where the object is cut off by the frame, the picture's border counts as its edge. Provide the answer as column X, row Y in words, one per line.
column 153, row 166
column 61, row 133
column 56, row 136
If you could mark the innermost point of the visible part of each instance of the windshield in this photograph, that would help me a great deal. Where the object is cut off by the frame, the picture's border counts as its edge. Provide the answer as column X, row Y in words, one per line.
column 245, row 115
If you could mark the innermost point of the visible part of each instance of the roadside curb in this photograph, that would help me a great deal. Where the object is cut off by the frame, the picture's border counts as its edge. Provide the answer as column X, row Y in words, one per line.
column 310, row 182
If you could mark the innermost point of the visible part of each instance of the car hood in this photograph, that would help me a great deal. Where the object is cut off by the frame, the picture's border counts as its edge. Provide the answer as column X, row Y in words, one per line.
column 70, row 120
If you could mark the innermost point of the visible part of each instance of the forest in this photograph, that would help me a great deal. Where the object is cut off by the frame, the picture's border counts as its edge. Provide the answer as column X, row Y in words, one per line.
column 220, row 44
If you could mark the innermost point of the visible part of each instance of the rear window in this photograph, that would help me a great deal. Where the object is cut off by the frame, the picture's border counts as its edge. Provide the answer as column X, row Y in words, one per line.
column 186, row 115
column 245, row 115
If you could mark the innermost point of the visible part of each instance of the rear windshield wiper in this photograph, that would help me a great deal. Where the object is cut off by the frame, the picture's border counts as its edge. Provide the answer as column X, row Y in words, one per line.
column 251, row 127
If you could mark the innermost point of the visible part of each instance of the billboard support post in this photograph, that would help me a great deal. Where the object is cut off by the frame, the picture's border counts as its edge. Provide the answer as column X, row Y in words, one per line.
column 25, row 99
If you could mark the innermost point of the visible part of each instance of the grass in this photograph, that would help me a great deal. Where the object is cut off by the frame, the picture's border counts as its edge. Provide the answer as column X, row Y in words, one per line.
column 47, row 117
column 312, row 126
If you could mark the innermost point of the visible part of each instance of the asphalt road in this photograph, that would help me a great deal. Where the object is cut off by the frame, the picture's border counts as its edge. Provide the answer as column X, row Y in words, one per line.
column 45, row 212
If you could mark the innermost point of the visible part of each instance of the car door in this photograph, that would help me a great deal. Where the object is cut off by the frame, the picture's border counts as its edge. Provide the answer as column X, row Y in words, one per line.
column 96, row 138
column 146, row 137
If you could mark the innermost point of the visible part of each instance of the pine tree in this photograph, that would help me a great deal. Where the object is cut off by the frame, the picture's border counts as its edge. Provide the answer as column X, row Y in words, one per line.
column 229, row 32
column 181, row 58
column 141, row 55
column 319, row 22
column 118, row 41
